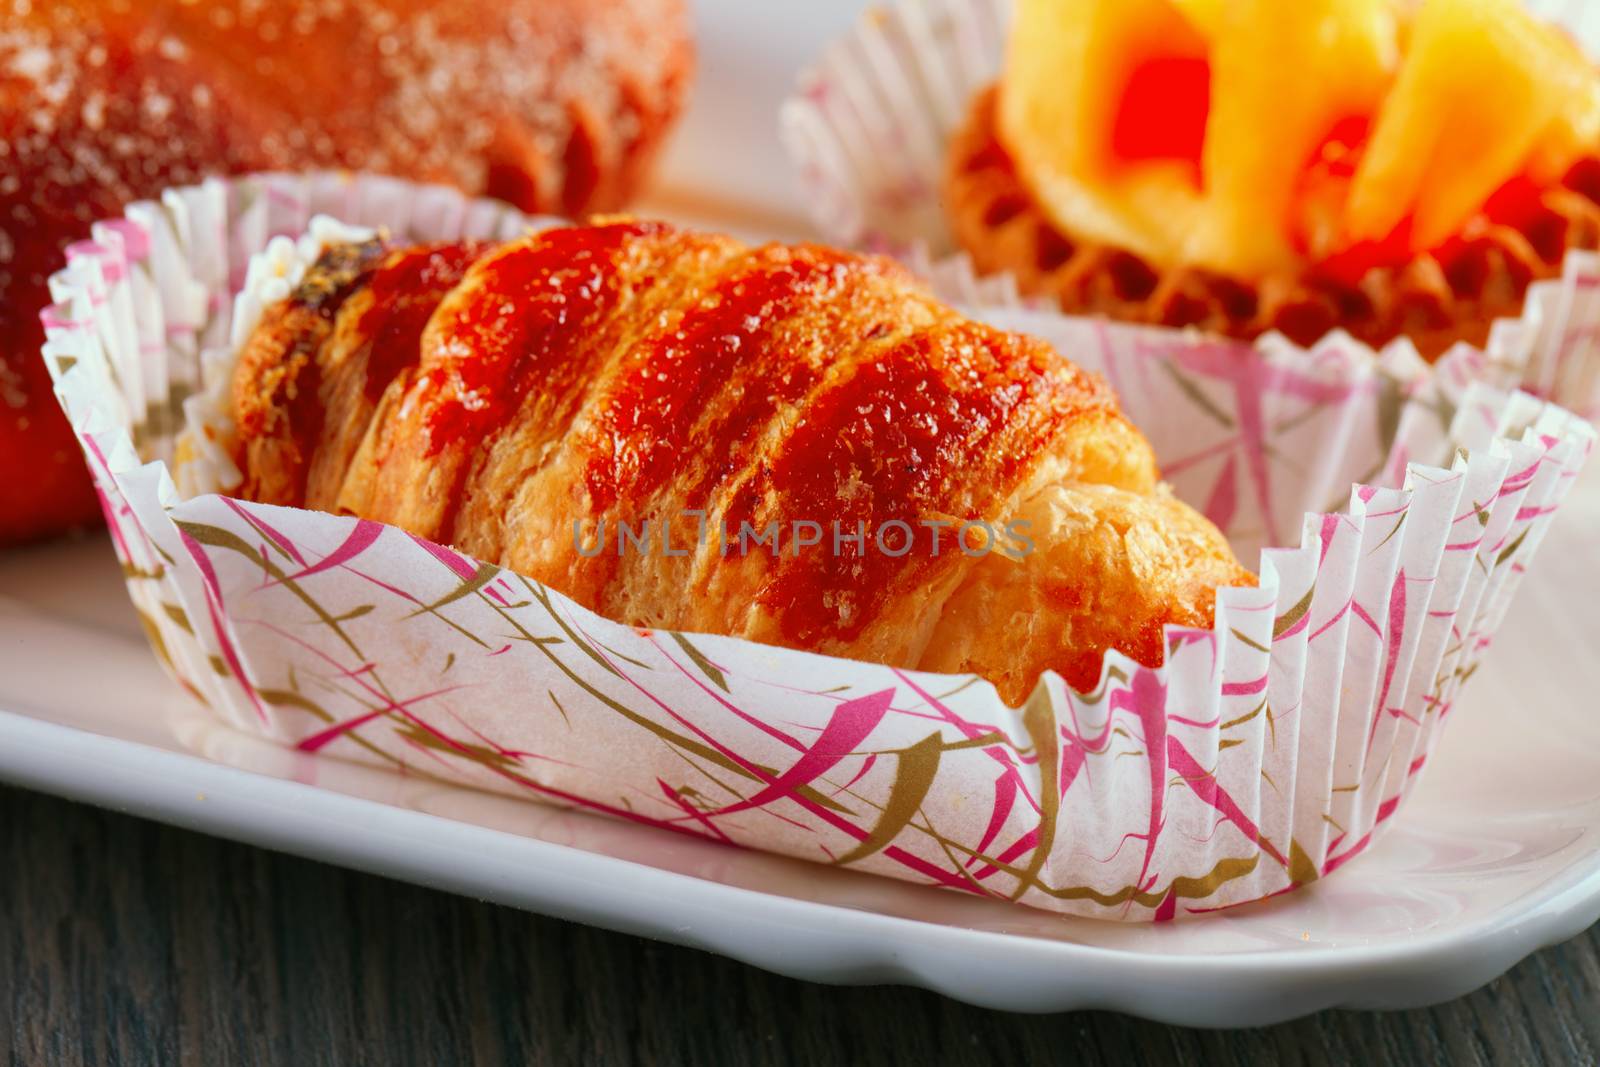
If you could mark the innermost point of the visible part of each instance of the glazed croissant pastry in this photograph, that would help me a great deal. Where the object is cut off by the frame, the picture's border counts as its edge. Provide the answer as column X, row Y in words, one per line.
column 789, row 444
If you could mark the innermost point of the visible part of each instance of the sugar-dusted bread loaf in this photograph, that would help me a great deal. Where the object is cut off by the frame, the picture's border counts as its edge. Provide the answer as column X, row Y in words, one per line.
column 522, row 400
column 554, row 105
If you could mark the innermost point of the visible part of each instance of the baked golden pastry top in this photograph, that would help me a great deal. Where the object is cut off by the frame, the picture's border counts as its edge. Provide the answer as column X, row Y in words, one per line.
column 525, row 400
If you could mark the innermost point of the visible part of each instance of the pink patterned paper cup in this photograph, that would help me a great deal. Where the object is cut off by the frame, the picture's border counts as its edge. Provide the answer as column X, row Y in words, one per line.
column 868, row 128
column 1264, row 754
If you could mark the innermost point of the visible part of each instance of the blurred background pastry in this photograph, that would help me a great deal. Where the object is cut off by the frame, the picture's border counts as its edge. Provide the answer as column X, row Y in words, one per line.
column 1392, row 168
column 553, row 105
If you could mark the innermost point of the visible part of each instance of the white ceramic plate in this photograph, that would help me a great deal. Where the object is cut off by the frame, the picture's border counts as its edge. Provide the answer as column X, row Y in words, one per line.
column 1497, row 855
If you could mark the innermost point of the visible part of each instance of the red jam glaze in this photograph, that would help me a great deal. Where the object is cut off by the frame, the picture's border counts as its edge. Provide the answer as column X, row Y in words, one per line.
column 1325, row 181
column 944, row 424
column 729, row 353
column 1163, row 112
column 1347, row 267
column 406, row 290
column 534, row 306
column 1518, row 204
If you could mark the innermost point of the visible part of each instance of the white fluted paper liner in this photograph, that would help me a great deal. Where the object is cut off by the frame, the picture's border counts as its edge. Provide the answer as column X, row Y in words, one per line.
column 868, row 129
column 1264, row 754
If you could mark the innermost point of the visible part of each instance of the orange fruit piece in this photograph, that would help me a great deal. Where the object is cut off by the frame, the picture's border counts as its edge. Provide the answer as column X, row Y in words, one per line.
column 1176, row 128
column 1286, row 75
column 1253, row 137
column 1069, row 69
column 1483, row 88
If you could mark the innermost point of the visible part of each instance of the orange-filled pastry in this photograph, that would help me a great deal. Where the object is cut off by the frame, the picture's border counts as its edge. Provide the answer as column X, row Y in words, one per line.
column 1394, row 168
column 789, row 444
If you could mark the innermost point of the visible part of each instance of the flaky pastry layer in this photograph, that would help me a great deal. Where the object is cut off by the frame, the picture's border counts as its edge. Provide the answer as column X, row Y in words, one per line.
column 523, row 401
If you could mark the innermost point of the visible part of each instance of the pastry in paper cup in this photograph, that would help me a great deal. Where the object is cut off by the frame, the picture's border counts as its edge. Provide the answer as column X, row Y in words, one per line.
column 1247, row 178
column 1265, row 753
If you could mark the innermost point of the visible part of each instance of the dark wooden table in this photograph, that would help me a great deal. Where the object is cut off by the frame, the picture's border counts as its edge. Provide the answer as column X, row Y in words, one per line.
column 126, row 942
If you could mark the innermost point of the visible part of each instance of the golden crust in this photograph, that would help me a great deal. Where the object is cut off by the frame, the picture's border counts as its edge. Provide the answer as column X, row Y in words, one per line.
column 581, row 378
column 1114, row 567
column 1436, row 300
